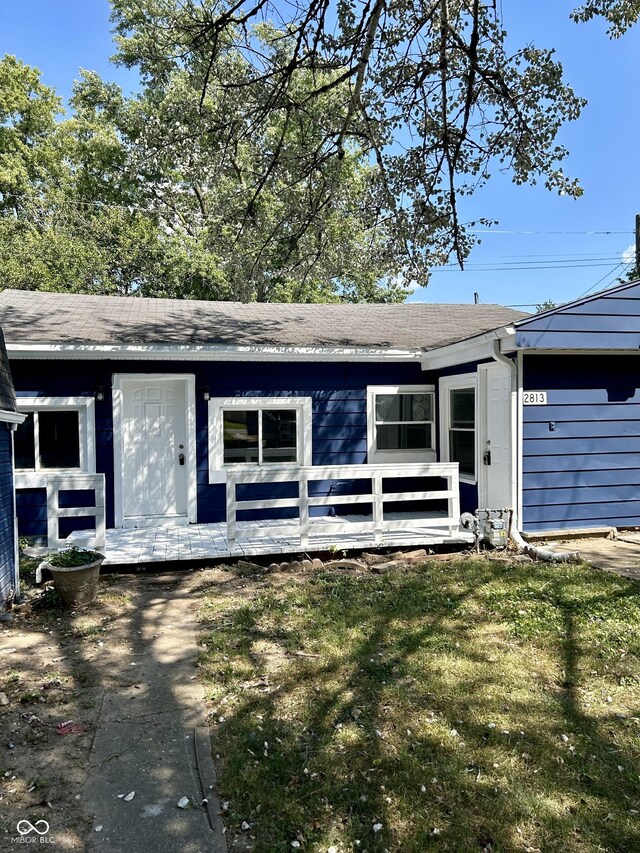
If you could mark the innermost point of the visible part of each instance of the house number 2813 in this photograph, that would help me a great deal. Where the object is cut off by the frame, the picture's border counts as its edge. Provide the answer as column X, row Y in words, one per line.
column 534, row 398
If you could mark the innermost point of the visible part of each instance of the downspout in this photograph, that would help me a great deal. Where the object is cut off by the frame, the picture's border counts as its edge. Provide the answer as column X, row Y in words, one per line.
column 530, row 550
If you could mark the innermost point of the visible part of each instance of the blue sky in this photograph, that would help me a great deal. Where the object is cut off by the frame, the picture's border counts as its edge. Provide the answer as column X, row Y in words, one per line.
column 536, row 228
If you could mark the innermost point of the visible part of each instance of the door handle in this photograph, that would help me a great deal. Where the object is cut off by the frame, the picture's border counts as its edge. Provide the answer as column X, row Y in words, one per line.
column 181, row 458
column 486, row 457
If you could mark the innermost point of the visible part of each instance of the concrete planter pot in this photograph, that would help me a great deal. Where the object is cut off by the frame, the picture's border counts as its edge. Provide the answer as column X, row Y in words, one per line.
column 78, row 585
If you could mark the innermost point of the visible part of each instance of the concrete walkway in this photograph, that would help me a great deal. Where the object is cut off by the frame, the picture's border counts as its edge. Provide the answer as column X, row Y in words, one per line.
column 152, row 737
column 620, row 556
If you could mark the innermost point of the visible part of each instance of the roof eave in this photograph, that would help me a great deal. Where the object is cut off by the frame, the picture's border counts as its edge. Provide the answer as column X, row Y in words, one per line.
column 214, row 352
column 11, row 417
column 468, row 350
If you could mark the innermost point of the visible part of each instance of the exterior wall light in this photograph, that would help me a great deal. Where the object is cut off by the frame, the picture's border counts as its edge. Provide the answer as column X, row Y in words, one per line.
column 99, row 394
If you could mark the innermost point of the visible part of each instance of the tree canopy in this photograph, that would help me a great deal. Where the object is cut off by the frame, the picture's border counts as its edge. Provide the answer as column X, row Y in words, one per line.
column 311, row 151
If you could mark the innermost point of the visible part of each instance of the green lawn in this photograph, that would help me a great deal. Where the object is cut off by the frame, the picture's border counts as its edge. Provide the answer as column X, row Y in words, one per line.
column 471, row 705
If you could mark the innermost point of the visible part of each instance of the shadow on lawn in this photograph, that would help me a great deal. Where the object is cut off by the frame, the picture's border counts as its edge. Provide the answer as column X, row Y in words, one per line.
column 617, row 781
column 423, row 712
column 127, row 678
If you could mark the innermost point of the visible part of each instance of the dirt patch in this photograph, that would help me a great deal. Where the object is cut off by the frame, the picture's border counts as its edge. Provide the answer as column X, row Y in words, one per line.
column 52, row 686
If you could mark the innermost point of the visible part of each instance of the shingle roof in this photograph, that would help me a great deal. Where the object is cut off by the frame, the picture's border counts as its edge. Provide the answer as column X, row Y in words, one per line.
column 7, row 394
column 30, row 317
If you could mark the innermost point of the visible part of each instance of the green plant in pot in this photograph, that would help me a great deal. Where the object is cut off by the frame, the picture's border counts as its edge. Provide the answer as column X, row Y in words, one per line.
column 75, row 574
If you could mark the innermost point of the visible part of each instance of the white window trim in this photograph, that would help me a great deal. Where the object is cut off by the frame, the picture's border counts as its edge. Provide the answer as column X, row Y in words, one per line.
column 456, row 383
column 85, row 406
column 119, row 381
column 398, row 456
column 217, row 405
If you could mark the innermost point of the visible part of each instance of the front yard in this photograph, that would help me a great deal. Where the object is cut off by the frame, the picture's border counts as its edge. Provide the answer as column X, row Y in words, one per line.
column 459, row 706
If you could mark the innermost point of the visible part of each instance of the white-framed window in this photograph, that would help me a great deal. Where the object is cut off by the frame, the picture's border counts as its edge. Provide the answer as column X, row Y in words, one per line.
column 401, row 423
column 458, row 423
column 263, row 431
column 58, row 434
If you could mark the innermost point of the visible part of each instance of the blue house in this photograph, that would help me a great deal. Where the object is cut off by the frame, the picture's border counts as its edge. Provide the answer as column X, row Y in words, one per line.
column 262, row 428
column 579, row 441
column 9, row 420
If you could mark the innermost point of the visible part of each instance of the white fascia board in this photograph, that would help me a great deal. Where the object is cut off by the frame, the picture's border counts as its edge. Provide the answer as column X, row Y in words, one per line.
column 12, row 417
column 469, row 350
column 180, row 352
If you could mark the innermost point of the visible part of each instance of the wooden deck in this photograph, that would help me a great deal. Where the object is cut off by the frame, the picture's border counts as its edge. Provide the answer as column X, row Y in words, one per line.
column 209, row 541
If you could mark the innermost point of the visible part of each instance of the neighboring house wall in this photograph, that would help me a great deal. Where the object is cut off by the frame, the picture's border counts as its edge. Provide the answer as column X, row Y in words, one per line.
column 339, row 402
column 7, row 540
column 581, row 452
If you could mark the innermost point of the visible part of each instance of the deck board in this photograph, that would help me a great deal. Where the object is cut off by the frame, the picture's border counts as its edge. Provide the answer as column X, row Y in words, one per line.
column 209, row 541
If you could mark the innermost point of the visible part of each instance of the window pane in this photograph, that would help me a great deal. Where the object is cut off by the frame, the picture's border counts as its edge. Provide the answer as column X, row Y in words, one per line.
column 463, row 411
column 462, row 449
column 279, row 435
column 59, row 439
column 403, row 437
column 404, row 407
column 240, row 436
column 23, row 444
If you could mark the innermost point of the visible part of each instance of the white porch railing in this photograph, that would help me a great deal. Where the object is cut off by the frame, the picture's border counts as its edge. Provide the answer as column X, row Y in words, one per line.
column 75, row 482
column 303, row 525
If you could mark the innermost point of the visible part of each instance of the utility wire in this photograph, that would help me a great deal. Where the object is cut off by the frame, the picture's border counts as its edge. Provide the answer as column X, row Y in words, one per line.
column 131, row 207
column 503, row 231
column 524, row 268
column 528, row 262
column 627, row 268
column 575, row 260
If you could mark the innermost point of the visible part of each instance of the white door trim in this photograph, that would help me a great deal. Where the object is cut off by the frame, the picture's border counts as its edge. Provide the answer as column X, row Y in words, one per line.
column 458, row 381
column 189, row 380
column 483, row 431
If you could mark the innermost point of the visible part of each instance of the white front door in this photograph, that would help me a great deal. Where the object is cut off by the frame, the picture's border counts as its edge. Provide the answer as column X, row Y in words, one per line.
column 154, row 448
column 494, row 464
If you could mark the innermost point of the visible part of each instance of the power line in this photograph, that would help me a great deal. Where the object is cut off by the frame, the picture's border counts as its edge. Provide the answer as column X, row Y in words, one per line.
column 608, row 274
column 614, row 271
column 524, row 268
column 538, row 255
column 504, row 231
column 131, row 207
column 532, row 260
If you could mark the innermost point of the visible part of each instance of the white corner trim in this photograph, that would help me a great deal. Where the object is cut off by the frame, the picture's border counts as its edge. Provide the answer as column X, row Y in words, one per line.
column 213, row 352
column 119, row 381
column 450, row 383
column 85, row 406
column 519, row 439
column 118, row 454
column 217, row 405
column 14, row 509
column 396, row 456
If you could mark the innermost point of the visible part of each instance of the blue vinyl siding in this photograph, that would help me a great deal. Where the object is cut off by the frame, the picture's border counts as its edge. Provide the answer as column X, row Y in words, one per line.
column 31, row 509
column 608, row 321
column 338, row 393
column 7, row 541
column 586, row 471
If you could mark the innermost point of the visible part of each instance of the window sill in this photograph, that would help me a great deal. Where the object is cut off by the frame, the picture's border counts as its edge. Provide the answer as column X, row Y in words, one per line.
column 470, row 481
